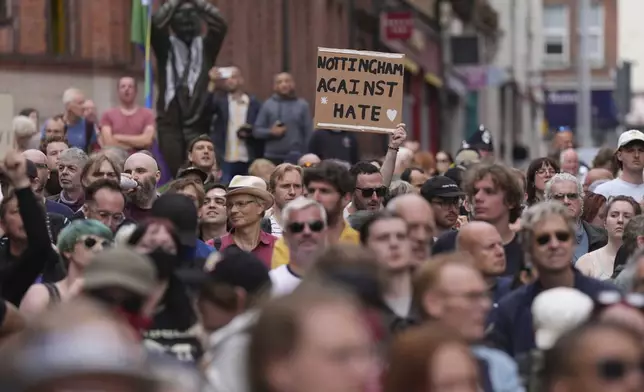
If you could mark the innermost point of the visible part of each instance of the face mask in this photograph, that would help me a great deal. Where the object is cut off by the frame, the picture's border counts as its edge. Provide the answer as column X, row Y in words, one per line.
column 164, row 262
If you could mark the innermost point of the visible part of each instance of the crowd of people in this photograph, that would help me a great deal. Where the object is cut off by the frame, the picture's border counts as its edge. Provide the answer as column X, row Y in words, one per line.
column 276, row 260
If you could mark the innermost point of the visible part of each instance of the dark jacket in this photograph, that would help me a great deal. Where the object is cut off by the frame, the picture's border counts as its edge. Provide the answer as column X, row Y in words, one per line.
column 511, row 327
column 597, row 237
column 219, row 107
column 17, row 274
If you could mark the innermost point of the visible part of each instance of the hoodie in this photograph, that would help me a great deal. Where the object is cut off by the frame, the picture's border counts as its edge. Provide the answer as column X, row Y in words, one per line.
column 296, row 116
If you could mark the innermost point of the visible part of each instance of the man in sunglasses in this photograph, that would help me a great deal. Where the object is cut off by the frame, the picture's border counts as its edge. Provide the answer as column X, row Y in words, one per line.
column 305, row 231
column 370, row 189
column 566, row 188
column 547, row 235
column 596, row 357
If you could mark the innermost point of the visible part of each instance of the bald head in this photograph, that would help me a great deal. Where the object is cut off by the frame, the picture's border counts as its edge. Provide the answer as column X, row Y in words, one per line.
column 284, row 84
column 308, row 160
column 596, row 175
column 569, row 161
column 141, row 160
column 36, row 156
column 418, row 214
column 483, row 241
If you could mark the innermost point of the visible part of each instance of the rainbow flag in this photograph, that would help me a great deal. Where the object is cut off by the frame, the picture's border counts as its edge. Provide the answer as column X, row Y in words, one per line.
column 140, row 35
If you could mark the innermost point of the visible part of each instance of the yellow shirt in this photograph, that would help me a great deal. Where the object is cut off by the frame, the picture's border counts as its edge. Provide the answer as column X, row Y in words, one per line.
column 280, row 250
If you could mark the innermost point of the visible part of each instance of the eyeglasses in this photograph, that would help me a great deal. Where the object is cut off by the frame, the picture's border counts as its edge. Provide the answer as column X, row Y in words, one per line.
column 308, row 164
column 544, row 239
column 563, row 196
column 91, row 242
column 615, row 369
column 610, row 298
column 381, row 191
column 315, row 226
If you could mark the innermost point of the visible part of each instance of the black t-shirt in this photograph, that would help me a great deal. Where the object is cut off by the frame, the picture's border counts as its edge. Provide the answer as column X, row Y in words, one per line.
column 513, row 251
column 173, row 330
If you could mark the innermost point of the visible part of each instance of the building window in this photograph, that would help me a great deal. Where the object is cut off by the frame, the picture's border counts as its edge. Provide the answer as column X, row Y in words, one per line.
column 58, row 26
column 556, row 36
column 596, row 35
column 5, row 11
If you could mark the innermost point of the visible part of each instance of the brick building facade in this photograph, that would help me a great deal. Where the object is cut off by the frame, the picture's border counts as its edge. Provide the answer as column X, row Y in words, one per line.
column 49, row 45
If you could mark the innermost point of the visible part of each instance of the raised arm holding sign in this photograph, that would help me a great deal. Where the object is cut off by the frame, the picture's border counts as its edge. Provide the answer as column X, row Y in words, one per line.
column 359, row 90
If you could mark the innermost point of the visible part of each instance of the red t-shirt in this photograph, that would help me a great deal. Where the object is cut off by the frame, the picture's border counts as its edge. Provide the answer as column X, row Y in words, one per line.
column 122, row 124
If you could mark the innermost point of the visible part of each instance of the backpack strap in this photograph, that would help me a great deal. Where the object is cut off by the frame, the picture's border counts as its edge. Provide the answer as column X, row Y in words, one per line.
column 54, row 293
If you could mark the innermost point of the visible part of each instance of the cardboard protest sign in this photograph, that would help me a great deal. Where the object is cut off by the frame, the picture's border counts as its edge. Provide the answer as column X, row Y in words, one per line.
column 359, row 90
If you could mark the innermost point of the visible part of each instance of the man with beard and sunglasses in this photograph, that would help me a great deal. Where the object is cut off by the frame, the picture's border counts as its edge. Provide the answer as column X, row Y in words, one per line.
column 304, row 232
column 595, row 357
column 143, row 169
column 331, row 185
column 547, row 233
column 369, row 191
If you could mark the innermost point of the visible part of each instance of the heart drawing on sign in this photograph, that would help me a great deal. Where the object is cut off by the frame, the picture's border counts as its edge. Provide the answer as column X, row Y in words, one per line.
column 391, row 114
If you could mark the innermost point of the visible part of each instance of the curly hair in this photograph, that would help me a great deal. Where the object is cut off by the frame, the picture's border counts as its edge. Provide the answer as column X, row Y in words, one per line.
column 503, row 178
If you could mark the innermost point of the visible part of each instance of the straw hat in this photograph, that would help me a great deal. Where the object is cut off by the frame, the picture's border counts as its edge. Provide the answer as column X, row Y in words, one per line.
column 250, row 185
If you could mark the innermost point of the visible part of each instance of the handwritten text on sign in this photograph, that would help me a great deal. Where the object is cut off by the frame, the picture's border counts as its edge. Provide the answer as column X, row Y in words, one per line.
column 357, row 90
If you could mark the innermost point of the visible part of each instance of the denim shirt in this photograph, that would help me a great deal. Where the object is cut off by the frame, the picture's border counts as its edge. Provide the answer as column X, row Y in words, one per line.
column 583, row 245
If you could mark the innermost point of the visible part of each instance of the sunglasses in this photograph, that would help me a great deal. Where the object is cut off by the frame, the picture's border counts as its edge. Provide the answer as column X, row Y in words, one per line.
column 91, row 242
column 544, row 239
column 563, row 196
column 615, row 369
column 308, row 164
column 297, row 227
column 381, row 191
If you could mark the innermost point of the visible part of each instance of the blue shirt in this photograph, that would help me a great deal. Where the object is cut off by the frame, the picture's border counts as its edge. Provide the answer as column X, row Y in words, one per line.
column 511, row 327
column 76, row 135
column 583, row 244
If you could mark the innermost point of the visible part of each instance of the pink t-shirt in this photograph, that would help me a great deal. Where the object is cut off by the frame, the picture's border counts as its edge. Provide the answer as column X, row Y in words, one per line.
column 123, row 124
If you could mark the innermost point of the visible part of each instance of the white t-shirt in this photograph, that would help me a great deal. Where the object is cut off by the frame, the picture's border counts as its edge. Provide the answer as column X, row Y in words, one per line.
column 619, row 187
column 284, row 281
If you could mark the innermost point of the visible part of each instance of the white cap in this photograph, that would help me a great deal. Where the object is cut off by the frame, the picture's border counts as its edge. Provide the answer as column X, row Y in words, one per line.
column 557, row 311
column 630, row 136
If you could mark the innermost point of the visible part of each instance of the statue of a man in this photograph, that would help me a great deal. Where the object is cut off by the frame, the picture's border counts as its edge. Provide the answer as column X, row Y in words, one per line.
column 183, row 61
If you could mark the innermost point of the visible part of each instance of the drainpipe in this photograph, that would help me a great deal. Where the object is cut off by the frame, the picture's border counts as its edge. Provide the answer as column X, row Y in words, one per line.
column 286, row 39
column 352, row 28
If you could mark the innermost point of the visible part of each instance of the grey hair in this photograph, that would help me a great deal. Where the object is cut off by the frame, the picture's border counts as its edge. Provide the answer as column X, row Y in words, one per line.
column 397, row 188
column 74, row 154
column 633, row 229
column 563, row 152
column 536, row 214
column 70, row 94
column 563, row 177
column 23, row 126
column 298, row 204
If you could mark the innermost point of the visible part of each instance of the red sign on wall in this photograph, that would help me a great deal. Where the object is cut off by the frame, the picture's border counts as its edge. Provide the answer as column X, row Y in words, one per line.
column 397, row 25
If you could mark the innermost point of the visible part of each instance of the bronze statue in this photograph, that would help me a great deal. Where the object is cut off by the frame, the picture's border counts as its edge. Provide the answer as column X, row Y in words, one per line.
column 183, row 61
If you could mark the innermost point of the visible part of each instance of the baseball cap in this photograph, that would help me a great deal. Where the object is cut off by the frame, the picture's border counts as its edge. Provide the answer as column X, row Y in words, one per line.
column 192, row 170
column 630, row 136
column 32, row 170
column 231, row 266
column 123, row 268
column 181, row 211
column 557, row 311
column 440, row 186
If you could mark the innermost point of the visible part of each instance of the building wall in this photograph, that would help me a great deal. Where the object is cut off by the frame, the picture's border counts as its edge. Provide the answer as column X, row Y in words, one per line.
column 602, row 76
column 630, row 38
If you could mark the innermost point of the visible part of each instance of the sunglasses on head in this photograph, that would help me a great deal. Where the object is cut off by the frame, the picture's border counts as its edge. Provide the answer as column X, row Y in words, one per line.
column 615, row 369
column 297, row 227
column 91, row 242
column 562, row 236
column 381, row 191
